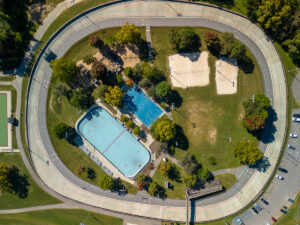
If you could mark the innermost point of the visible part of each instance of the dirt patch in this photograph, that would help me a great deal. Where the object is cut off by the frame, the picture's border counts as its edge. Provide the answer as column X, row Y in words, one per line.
column 39, row 11
column 189, row 69
column 212, row 135
column 50, row 104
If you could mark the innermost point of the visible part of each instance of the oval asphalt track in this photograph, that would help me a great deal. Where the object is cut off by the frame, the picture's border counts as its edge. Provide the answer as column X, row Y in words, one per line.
column 118, row 14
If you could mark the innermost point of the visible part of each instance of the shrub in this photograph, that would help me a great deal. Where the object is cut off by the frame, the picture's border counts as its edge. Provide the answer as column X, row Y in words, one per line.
column 129, row 82
column 60, row 130
column 124, row 118
column 129, row 124
column 65, row 70
column 106, row 182
column 81, row 99
column 91, row 173
column 145, row 83
column 212, row 42
column 81, row 170
column 151, row 91
column 128, row 71
column 96, row 42
column 59, row 90
column 99, row 71
column 163, row 90
column 185, row 40
column 136, row 131
column 203, row 173
column 212, row 160
column 254, row 122
column 247, row 152
column 119, row 79
column 89, row 59
column 190, row 180
column 164, row 168
column 150, row 166
column 189, row 163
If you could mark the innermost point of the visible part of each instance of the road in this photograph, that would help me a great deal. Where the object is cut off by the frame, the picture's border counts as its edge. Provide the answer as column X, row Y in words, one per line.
column 60, row 179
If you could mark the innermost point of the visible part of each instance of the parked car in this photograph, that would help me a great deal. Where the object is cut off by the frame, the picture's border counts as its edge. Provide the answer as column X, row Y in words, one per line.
column 286, row 208
column 283, row 211
column 264, row 201
column 293, row 135
column 291, row 200
column 282, row 170
column 279, row 177
column 257, row 206
column 267, row 223
column 254, row 210
column 296, row 119
column 296, row 115
column 273, row 219
column 292, row 147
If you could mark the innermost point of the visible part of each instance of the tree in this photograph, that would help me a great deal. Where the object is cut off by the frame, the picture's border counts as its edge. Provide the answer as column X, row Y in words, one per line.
column 142, row 182
column 89, row 59
column 276, row 15
column 247, row 152
column 99, row 71
column 101, row 90
column 5, row 184
column 119, row 79
column 163, row 129
column 152, row 73
column 106, row 182
column 185, row 40
column 212, row 42
column 189, row 163
column 81, row 99
column 190, row 180
column 129, row 124
column 96, row 42
column 151, row 91
column 165, row 168
column 293, row 46
column 145, row 83
column 91, row 173
column 136, row 131
column 153, row 188
column 124, row 118
column 256, row 112
column 238, row 51
column 60, row 130
column 114, row 96
column 203, row 173
column 212, row 160
column 64, row 70
column 129, row 72
column 163, row 90
column 128, row 34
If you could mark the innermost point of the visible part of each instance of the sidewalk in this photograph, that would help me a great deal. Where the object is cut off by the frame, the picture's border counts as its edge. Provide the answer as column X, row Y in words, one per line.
column 158, row 14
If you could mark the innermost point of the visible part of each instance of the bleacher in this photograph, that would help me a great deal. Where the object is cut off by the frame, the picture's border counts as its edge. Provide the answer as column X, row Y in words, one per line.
column 207, row 188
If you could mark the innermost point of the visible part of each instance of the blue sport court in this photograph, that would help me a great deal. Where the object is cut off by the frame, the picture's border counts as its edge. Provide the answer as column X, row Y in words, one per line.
column 141, row 106
column 113, row 141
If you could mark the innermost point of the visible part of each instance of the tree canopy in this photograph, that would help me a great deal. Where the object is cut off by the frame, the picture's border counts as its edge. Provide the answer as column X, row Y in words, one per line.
column 185, row 40
column 5, row 184
column 212, row 42
column 99, row 71
column 293, row 46
column 60, row 130
column 190, row 180
column 128, row 34
column 256, row 112
column 64, row 70
column 163, row 89
column 81, row 99
column 247, row 152
column 163, row 129
column 114, row 96
column 189, row 163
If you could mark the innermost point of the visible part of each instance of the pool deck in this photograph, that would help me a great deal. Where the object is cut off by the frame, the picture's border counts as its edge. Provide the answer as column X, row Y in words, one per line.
column 8, row 148
column 105, row 162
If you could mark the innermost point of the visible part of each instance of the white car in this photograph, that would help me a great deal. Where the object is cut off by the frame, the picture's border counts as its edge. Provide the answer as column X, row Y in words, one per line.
column 267, row 223
column 279, row 177
column 293, row 135
column 296, row 119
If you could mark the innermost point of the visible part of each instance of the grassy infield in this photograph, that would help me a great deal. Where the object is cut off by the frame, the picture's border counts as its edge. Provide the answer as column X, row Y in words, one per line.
column 68, row 14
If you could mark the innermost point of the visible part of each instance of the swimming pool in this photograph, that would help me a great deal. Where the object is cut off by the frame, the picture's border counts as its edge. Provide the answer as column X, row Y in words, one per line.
column 113, row 141
column 141, row 106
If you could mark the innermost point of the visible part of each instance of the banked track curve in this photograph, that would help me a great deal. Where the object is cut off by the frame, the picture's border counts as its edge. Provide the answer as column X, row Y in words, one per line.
column 154, row 13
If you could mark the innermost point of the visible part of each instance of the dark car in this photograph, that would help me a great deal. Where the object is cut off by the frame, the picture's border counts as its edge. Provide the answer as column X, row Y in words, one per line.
column 273, row 219
column 282, row 170
column 291, row 200
column 254, row 210
column 264, row 201
column 286, row 208
column 283, row 211
column 257, row 206
column 296, row 115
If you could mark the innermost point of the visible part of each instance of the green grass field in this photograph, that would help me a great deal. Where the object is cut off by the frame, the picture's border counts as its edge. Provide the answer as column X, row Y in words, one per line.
column 293, row 216
column 226, row 179
column 36, row 196
column 215, row 115
column 3, row 119
column 59, row 217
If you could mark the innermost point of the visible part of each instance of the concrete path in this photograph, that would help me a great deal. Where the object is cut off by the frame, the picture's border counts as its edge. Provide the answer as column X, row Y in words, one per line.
column 57, row 177
column 42, row 207
column 148, row 36
column 232, row 170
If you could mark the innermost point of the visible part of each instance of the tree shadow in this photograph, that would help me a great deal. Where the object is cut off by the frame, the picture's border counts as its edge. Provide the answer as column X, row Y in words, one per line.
column 174, row 97
column 180, row 141
column 246, row 64
column 143, row 50
column 19, row 182
column 192, row 56
column 267, row 134
column 261, row 165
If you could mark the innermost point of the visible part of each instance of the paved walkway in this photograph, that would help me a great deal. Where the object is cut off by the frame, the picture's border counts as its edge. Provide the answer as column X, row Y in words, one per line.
column 156, row 14
column 42, row 207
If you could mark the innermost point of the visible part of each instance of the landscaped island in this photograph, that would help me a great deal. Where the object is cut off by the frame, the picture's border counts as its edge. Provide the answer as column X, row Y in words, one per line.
column 167, row 124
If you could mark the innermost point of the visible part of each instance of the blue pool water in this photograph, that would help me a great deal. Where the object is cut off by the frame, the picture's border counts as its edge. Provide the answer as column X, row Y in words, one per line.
column 141, row 106
column 113, row 141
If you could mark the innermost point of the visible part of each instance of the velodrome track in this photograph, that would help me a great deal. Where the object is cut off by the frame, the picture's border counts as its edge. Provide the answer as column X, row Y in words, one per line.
column 153, row 13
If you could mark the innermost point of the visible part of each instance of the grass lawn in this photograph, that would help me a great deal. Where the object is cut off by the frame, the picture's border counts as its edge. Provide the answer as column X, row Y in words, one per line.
column 13, row 107
column 293, row 216
column 3, row 120
column 7, row 78
column 215, row 115
column 177, row 191
column 226, row 179
column 36, row 196
column 58, row 217
column 64, row 112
